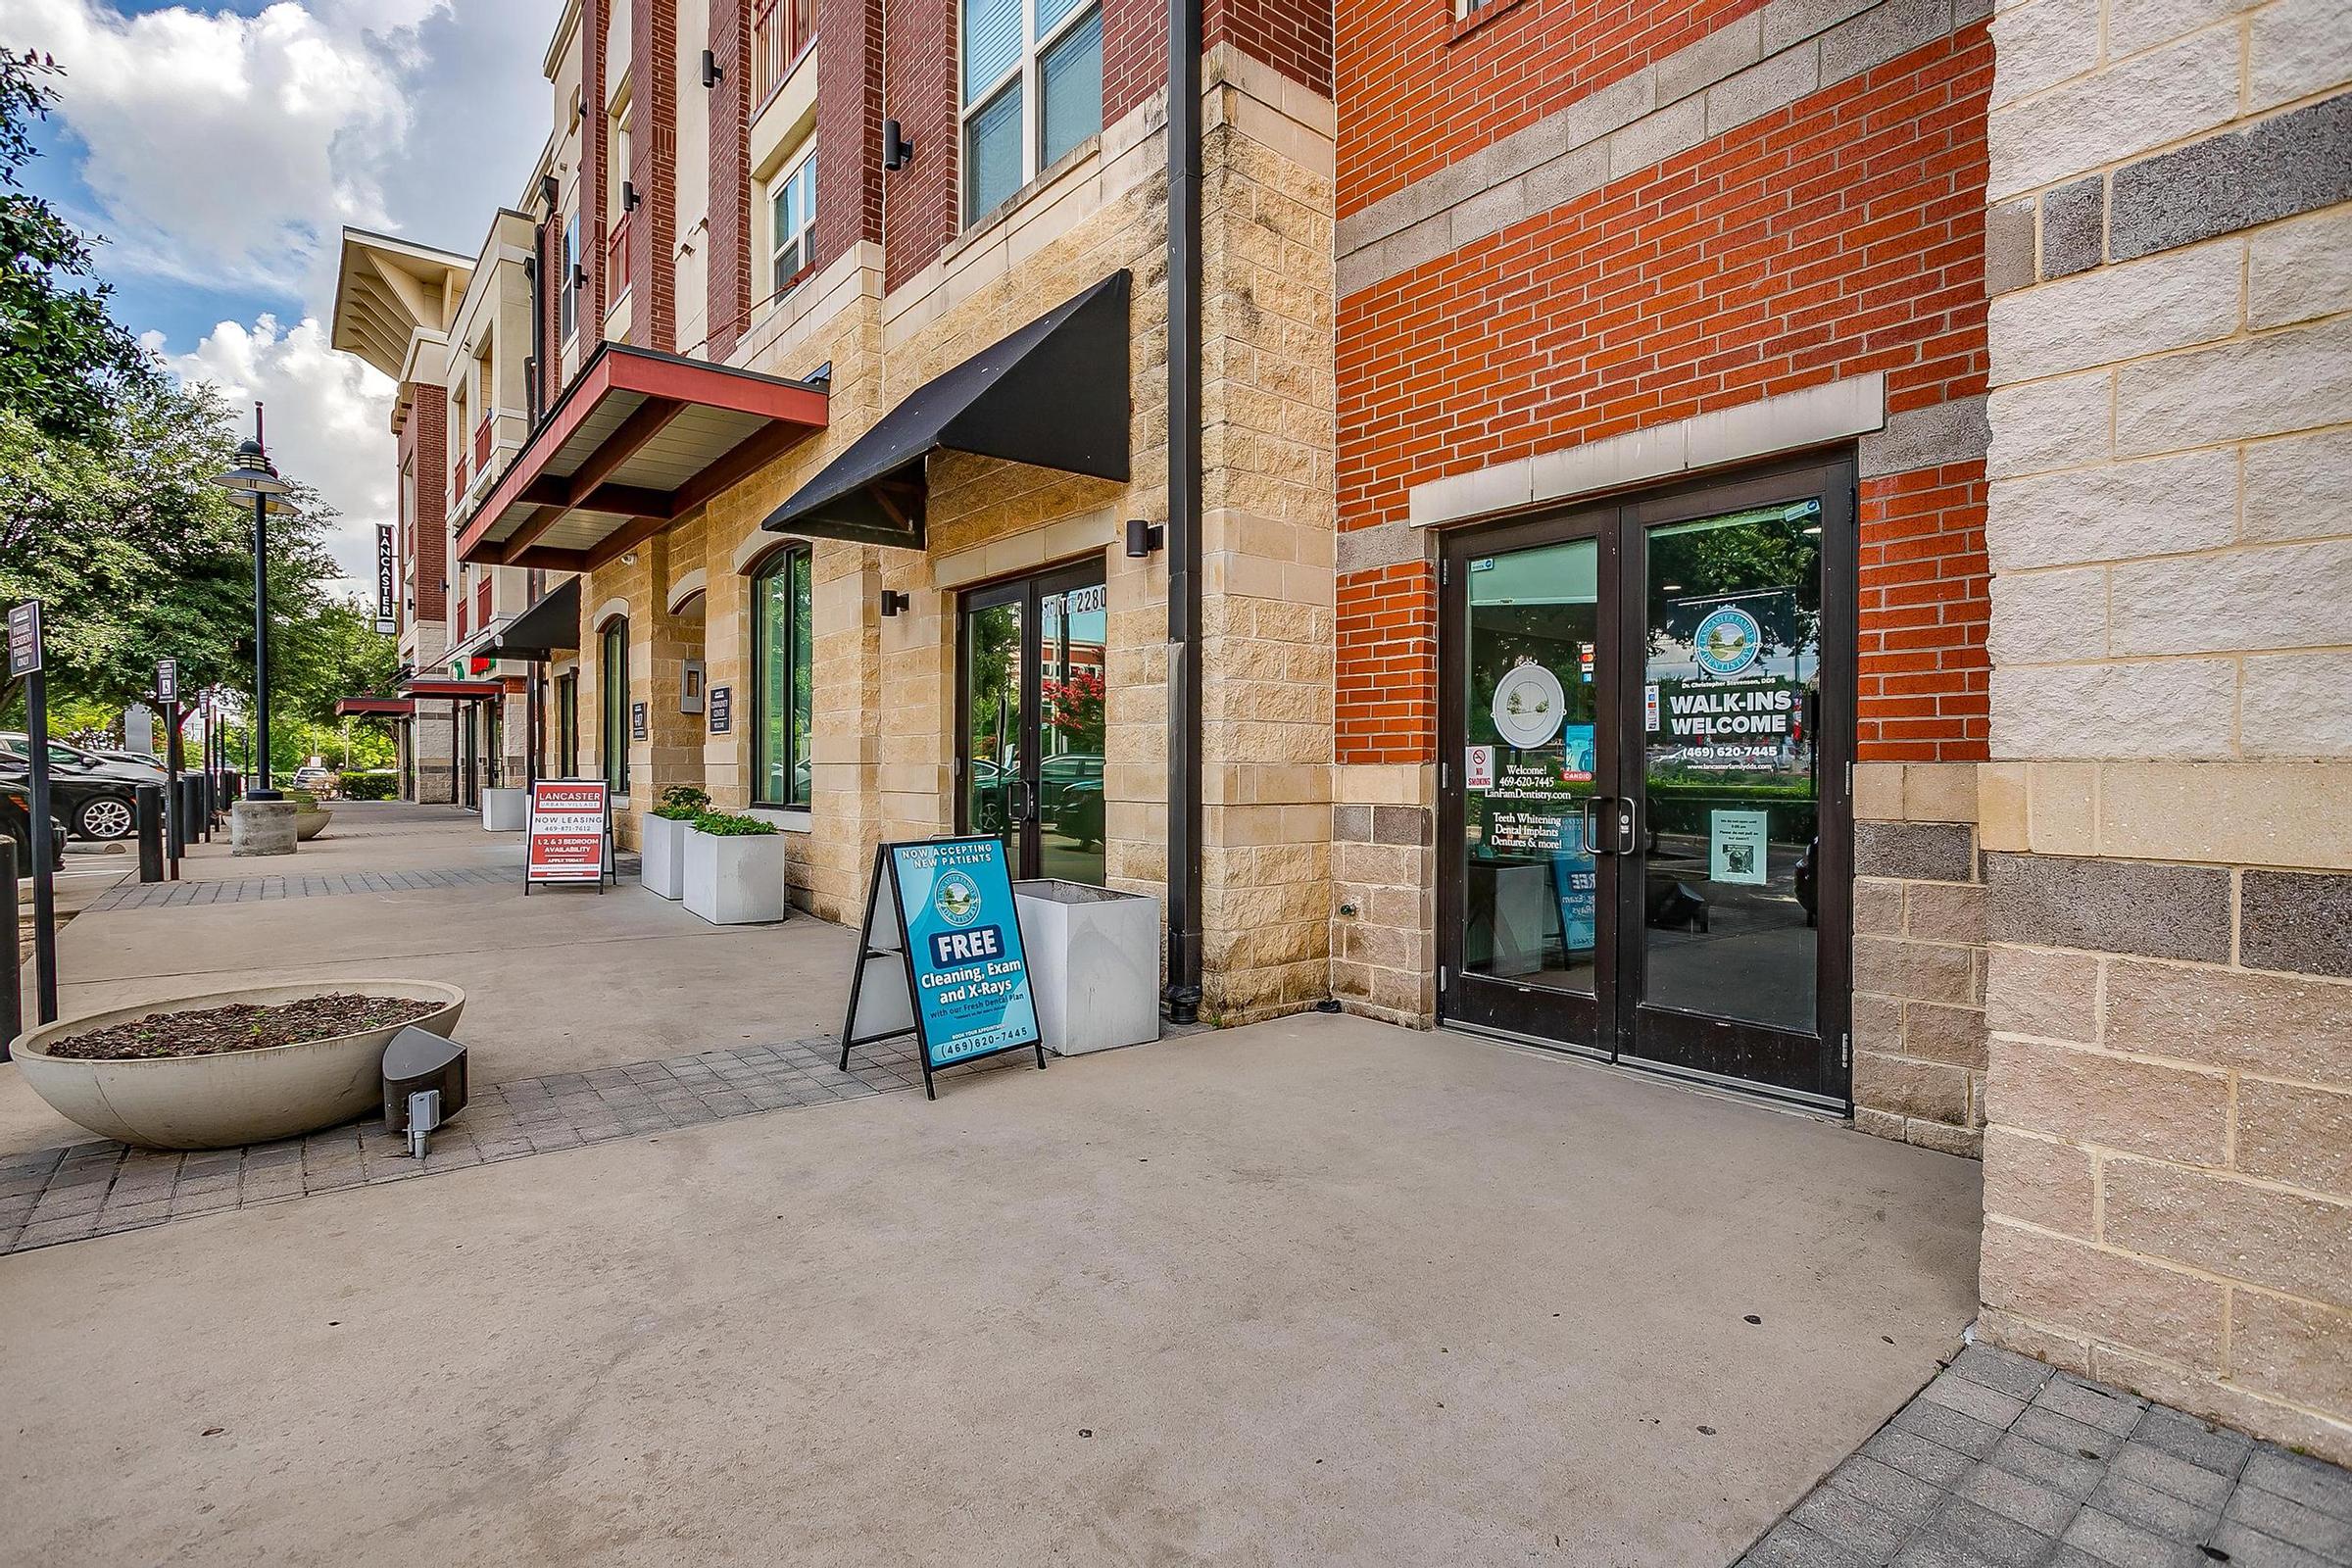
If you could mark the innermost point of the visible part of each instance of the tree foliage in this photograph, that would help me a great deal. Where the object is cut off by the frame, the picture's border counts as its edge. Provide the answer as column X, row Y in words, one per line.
column 63, row 359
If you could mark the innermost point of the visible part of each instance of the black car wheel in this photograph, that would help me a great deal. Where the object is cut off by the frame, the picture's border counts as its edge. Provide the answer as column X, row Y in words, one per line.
column 104, row 817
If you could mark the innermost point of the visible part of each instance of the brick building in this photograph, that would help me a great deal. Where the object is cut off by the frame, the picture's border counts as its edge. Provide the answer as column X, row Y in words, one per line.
column 1705, row 544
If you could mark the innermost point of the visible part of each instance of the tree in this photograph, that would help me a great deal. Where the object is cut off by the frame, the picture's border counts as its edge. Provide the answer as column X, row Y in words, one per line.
column 63, row 359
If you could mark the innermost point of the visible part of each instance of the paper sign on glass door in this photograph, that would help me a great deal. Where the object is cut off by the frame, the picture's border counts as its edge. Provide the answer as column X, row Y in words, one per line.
column 1735, row 846
column 1478, row 767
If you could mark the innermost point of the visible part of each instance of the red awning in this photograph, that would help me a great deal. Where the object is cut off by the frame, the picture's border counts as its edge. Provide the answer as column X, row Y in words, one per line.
column 638, row 441
column 375, row 706
column 454, row 690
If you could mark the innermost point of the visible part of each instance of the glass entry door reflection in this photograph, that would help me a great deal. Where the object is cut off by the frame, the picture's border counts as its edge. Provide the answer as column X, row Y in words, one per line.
column 1029, row 765
column 1644, row 817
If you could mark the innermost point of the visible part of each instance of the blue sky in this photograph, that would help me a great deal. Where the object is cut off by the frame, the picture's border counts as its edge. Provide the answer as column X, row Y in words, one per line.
column 221, row 149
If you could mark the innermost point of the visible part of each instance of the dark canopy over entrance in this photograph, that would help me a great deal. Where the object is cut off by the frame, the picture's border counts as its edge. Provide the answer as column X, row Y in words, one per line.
column 1054, row 394
column 548, row 627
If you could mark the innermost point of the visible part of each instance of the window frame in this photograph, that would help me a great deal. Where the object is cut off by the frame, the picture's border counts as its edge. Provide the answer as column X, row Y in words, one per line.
column 775, row 562
column 612, row 697
column 567, row 310
column 801, row 161
column 1027, row 71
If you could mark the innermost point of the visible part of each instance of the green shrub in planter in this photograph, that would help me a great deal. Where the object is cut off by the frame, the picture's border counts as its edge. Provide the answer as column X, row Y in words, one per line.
column 728, row 825
column 369, row 786
column 682, row 803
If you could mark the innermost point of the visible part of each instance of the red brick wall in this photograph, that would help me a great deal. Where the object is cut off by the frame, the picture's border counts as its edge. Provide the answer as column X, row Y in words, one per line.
column 1837, row 237
column 1294, row 38
column 727, row 275
column 921, row 93
column 849, row 128
column 653, row 169
column 425, row 442
column 592, row 178
column 1417, row 97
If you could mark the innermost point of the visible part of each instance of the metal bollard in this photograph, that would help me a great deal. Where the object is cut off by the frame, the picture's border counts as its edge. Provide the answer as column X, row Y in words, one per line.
column 12, row 983
column 151, row 831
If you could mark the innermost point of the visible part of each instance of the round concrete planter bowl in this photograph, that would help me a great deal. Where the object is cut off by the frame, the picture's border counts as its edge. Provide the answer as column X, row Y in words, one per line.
column 237, row 1097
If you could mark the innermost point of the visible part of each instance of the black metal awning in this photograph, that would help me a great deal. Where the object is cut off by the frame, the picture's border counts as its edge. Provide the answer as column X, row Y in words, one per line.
column 1054, row 394
column 548, row 627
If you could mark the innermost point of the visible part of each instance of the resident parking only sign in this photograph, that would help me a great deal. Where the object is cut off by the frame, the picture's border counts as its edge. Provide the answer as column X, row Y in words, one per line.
column 952, row 923
column 572, row 820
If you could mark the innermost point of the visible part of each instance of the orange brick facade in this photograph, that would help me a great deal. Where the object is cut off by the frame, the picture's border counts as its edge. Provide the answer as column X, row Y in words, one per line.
column 1835, row 237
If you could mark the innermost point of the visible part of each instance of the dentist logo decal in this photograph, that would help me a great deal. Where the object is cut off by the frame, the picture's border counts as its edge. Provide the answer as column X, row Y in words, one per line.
column 957, row 899
column 1529, row 705
column 1728, row 641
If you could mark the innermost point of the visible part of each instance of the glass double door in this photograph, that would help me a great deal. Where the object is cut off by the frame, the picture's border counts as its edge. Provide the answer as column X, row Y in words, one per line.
column 1647, row 714
column 1029, row 763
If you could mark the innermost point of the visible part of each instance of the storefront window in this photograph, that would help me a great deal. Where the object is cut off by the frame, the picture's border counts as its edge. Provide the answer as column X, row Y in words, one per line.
column 612, row 682
column 781, row 675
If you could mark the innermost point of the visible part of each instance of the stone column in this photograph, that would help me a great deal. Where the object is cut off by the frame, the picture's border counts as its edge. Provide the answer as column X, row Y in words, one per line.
column 2168, row 818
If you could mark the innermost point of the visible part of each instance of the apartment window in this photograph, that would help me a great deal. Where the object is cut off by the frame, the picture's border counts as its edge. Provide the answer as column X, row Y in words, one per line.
column 1032, row 90
column 781, row 664
column 612, row 690
column 569, row 307
column 568, row 726
column 792, row 221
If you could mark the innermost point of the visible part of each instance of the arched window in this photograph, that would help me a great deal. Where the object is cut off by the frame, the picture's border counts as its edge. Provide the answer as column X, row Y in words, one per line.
column 613, row 683
column 780, row 679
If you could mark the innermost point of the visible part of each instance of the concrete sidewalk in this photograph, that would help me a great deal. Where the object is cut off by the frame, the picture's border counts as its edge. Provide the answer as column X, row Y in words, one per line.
column 1313, row 1292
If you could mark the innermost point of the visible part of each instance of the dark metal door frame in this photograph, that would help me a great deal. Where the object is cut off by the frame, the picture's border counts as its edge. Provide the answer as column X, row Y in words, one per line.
column 1814, row 1069
column 1029, row 592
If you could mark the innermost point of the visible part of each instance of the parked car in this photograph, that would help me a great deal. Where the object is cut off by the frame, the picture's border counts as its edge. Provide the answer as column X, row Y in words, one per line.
column 17, row 746
column 1059, row 776
column 1079, row 815
column 320, row 781
column 92, row 803
column 131, row 759
column 15, row 820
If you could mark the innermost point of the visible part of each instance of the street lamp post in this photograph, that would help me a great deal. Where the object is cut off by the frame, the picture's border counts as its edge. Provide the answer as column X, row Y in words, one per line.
column 256, row 477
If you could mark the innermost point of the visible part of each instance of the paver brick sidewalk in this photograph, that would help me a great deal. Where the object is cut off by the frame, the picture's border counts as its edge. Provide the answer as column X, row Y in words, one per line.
column 2001, row 1462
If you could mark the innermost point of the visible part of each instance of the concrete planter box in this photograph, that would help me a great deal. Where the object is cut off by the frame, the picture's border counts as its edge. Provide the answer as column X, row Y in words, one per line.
column 661, row 854
column 262, row 827
column 238, row 1096
column 506, row 811
column 735, row 879
column 1093, row 965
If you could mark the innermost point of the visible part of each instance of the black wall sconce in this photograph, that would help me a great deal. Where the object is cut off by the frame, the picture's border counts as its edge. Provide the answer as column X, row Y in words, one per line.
column 894, row 602
column 549, row 190
column 630, row 197
column 711, row 71
column 1144, row 538
column 898, row 148
column 579, row 277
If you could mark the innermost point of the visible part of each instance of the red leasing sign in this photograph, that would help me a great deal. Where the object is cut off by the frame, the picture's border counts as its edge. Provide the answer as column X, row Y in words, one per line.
column 569, row 818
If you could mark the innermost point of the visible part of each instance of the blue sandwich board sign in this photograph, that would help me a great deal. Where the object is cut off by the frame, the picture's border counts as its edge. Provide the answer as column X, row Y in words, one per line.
column 957, row 936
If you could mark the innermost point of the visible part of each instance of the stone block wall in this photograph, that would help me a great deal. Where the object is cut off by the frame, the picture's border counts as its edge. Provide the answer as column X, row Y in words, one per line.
column 2167, row 830
column 1919, row 1049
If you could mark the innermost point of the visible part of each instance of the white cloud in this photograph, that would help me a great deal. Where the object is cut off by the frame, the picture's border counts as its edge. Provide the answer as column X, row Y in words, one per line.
column 328, row 420
column 227, row 151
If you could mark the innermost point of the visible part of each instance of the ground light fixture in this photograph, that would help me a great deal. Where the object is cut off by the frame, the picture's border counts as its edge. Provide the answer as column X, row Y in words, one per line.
column 256, row 477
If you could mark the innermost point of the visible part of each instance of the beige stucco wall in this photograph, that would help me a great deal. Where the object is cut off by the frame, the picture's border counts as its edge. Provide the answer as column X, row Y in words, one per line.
column 2169, row 1141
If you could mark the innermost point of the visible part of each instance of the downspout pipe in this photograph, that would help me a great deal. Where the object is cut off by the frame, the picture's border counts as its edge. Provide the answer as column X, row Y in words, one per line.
column 1183, row 993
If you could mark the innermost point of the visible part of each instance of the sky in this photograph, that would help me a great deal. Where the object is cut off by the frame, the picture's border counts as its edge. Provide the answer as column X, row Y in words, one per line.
column 218, row 151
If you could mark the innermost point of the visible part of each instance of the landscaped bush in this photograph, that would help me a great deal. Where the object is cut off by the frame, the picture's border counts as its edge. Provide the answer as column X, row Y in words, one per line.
column 369, row 786
column 682, row 803
column 727, row 825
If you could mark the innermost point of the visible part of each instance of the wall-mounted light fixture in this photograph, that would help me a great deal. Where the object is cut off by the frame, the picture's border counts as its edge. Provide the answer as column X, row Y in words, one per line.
column 630, row 197
column 898, row 148
column 894, row 602
column 711, row 71
column 549, row 190
column 1144, row 538
column 579, row 275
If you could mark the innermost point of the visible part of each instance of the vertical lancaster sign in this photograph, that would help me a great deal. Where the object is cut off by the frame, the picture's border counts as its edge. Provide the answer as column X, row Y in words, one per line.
column 958, row 937
column 572, row 820
column 387, row 591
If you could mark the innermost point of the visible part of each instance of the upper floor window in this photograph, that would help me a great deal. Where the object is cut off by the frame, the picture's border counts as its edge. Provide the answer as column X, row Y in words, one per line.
column 568, row 293
column 792, row 221
column 1032, row 90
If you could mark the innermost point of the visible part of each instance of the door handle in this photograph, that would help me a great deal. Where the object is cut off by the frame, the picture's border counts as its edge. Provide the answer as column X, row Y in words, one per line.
column 1626, row 838
column 1590, row 840
column 1028, row 800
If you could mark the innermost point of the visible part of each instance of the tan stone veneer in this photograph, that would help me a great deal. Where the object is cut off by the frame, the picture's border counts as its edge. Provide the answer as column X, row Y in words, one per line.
column 2168, row 821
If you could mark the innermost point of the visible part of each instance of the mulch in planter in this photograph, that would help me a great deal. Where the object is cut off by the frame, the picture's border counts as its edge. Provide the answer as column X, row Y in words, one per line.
column 240, row 1026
